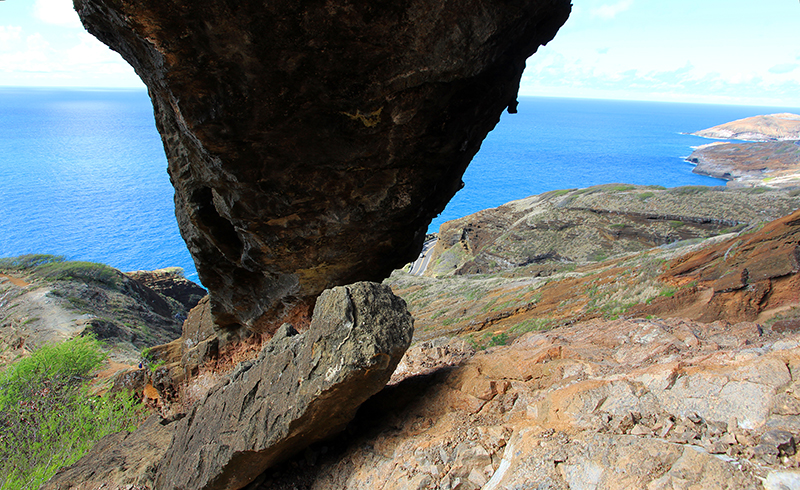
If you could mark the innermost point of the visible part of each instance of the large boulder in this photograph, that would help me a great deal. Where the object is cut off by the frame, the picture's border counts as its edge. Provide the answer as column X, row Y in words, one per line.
column 301, row 388
column 311, row 143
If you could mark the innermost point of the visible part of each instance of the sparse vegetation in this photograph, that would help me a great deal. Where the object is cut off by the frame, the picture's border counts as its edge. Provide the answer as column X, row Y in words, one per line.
column 559, row 192
column 532, row 325
column 621, row 188
column 57, row 268
column 689, row 190
column 487, row 340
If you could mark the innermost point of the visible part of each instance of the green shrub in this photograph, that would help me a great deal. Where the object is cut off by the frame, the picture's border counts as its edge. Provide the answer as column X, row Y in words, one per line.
column 645, row 195
column 89, row 272
column 28, row 262
column 47, row 417
column 499, row 339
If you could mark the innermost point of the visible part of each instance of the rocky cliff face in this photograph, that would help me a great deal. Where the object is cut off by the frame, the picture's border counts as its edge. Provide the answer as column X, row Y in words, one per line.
column 310, row 144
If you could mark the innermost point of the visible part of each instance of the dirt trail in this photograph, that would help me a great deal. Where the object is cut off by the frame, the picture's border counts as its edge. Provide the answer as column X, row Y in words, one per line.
column 15, row 280
column 32, row 317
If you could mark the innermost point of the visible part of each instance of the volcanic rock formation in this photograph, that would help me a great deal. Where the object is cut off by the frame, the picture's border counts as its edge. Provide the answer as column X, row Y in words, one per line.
column 310, row 144
column 301, row 388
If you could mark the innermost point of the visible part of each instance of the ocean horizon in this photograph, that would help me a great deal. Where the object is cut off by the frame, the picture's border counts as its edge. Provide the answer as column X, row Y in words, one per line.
column 83, row 171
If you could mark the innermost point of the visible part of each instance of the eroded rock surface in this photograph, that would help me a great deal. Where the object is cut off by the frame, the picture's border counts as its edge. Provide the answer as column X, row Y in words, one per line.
column 301, row 388
column 310, row 144
column 747, row 277
column 583, row 225
column 613, row 405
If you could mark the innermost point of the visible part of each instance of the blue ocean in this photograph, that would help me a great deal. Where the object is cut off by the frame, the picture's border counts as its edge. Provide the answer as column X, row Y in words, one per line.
column 83, row 172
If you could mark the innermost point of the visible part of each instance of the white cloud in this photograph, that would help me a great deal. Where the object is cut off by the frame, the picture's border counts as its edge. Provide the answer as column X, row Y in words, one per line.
column 57, row 12
column 609, row 11
column 784, row 68
column 9, row 36
column 89, row 51
column 551, row 73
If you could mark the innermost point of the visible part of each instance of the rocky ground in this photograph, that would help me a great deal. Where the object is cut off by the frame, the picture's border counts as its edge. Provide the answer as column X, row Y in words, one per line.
column 600, row 404
column 674, row 367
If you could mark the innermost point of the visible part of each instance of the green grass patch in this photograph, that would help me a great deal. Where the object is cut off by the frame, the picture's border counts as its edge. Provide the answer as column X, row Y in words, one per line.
column 668, row 292
column 488, row 340
column 56, row 268
column 47, row 417
column 645, row 196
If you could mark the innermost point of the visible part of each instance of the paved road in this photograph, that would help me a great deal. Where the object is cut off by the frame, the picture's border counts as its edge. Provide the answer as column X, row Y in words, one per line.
column 419, row 265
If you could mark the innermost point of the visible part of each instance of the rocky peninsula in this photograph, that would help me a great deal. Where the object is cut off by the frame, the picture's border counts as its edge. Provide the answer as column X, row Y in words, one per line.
column 770, row 158
column 771, row 127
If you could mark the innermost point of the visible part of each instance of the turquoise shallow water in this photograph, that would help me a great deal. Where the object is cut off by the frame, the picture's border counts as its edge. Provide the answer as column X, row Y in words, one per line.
column 83, row 172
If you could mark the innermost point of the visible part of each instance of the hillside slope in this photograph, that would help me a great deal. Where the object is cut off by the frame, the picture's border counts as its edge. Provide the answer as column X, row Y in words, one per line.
column 46, row 299
column 578, row 226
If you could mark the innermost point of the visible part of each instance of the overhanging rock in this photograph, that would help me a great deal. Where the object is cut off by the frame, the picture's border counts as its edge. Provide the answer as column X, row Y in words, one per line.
column 311, row 143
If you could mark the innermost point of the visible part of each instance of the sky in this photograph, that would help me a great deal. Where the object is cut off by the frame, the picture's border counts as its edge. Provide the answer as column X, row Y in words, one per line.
column 741, row 52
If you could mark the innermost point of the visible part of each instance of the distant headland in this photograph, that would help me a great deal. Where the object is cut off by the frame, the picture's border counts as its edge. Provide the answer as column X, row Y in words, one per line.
column 770, row 155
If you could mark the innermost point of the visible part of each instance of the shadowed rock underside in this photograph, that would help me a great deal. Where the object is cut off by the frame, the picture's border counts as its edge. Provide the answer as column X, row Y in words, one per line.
column 310, row 144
